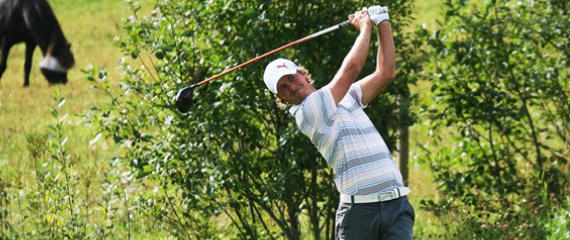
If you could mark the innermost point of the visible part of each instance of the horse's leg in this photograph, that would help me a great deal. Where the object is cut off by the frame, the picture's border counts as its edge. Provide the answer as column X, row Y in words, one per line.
column 4, row 50
column 30, row 46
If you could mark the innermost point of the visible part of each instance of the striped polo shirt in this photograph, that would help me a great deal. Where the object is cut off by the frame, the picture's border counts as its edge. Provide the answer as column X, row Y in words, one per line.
column 348, row 141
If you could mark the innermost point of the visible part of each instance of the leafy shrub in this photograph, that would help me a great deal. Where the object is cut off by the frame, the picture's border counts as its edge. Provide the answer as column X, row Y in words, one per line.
column 4, row 212
column 558, row 227
column 500, row 81
column 235, row 156
column 60, row 202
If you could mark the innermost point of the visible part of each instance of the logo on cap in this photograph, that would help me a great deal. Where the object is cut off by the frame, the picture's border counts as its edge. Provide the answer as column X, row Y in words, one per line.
column 282, row 66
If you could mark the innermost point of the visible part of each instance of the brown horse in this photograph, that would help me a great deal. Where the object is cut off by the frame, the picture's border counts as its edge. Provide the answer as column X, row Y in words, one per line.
column 33, row 22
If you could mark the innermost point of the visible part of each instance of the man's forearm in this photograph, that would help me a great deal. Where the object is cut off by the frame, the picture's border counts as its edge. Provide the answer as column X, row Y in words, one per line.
column 374, row 83
column 386, row 57
column 359, row 51
column 351, row 65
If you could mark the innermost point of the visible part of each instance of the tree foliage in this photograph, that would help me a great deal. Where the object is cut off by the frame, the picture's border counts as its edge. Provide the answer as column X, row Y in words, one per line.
column 501, row 80
column 236, row 154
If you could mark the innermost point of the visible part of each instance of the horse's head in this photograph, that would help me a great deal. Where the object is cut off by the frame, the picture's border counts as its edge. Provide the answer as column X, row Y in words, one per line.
column 63, row 54
column 57, row 62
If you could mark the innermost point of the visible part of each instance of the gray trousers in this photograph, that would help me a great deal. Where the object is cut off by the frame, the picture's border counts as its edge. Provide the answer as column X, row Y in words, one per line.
column 388, row 220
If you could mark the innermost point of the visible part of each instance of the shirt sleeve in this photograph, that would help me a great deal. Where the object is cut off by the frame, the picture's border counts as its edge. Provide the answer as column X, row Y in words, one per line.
column 316, row 111
column 355, row 92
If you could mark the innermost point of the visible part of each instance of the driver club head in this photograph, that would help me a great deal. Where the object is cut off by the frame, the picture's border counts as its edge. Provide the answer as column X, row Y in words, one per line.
column 184, row 99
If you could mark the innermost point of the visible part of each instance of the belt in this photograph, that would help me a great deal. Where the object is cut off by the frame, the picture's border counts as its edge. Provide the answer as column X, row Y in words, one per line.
column 382, row 197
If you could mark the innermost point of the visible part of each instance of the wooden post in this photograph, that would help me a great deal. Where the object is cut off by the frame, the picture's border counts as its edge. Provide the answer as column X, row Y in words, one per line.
column 404, row 138
column 404, row 153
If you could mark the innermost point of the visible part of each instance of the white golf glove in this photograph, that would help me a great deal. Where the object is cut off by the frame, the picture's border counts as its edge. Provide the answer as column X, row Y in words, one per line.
column 378, row 14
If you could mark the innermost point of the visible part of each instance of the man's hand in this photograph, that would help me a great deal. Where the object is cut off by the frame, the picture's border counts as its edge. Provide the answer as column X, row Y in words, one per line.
column 378, row 14
column 360, row 19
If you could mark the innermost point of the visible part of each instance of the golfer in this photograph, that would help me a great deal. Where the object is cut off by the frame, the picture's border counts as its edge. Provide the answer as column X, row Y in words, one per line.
column 373, row 202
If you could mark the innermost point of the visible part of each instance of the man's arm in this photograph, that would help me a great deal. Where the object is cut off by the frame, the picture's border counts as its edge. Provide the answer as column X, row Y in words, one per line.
column 374, row 83
column 355, row 59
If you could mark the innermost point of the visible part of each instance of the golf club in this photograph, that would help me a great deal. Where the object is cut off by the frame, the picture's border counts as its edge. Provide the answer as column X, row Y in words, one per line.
column 184, row 96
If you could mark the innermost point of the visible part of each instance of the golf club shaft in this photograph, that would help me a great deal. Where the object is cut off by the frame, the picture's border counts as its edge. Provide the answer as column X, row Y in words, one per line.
column 309, row 37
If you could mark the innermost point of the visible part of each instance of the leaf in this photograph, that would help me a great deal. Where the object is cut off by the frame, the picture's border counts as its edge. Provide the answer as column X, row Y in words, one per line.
column 64, row 141
column 61, row 103
column 94, row 140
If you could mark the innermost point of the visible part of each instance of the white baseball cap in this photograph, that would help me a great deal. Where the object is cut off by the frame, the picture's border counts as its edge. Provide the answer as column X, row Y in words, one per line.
column 277, row 69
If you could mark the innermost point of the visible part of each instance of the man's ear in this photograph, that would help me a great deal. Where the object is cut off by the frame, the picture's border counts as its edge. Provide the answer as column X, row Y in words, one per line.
column 303, row 71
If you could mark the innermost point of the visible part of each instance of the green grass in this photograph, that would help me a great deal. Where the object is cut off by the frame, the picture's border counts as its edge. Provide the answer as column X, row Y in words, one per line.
column 428, row 12
column 91, row 26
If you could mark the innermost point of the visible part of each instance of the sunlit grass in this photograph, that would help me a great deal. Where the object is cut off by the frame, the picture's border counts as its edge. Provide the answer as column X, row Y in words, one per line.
column 427, row 12
column 90, row 26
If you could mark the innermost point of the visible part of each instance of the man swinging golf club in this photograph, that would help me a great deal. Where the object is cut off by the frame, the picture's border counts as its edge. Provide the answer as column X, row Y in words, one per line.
column 373, row 202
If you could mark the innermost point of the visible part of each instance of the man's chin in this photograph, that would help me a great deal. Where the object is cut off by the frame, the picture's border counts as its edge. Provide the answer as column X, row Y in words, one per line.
column 296, row 100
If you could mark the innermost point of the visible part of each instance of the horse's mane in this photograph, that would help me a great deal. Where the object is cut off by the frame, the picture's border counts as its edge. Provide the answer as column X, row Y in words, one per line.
column 51, row 30
column 44, row 27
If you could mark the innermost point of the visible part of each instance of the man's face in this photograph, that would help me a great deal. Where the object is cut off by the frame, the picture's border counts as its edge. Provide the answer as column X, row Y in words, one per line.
column 293, row 88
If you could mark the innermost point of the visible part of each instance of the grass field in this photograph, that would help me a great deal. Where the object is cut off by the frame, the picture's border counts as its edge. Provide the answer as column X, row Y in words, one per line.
column 91, row 25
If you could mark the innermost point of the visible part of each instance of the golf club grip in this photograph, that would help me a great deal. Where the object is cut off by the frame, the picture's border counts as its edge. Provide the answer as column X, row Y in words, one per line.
column 309, row 37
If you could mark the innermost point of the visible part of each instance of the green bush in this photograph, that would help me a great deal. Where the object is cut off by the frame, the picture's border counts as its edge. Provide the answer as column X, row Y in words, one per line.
column 500, row 84
column 558, row 227
column 235, row 166
column 61, row 202
column 4, row 212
